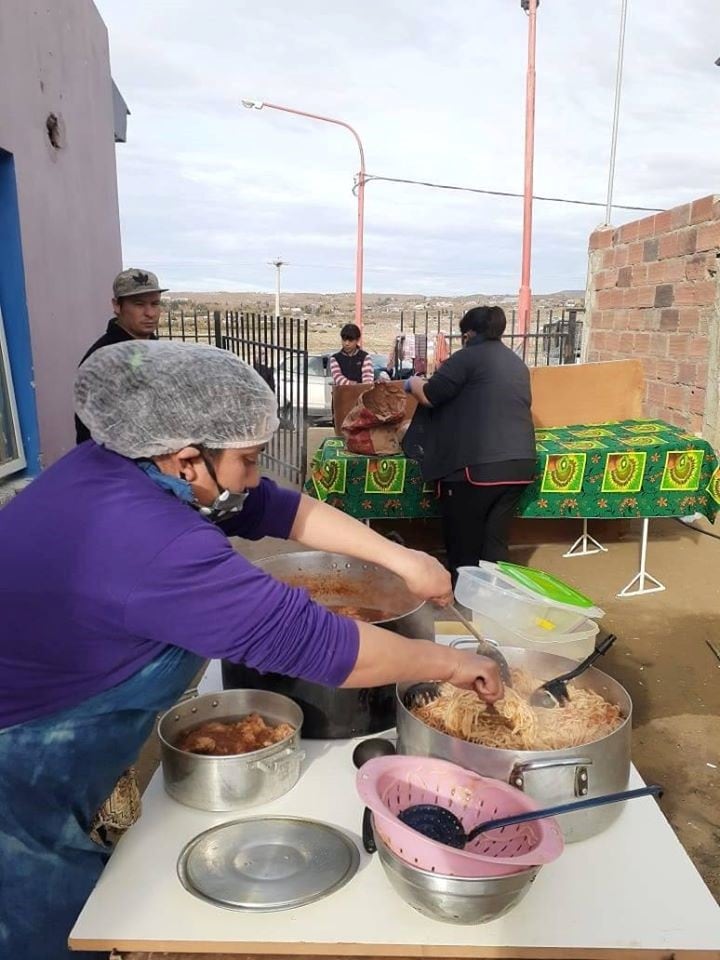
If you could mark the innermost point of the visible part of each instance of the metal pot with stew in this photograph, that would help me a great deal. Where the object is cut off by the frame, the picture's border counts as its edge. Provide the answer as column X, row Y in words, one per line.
column 364, row 591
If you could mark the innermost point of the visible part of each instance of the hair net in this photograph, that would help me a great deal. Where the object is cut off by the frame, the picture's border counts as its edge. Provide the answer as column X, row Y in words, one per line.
column 144, row 398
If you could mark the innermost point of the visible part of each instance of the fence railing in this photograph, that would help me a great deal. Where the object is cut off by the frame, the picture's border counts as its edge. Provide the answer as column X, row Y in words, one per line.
column 277, row 349
column 554, row 337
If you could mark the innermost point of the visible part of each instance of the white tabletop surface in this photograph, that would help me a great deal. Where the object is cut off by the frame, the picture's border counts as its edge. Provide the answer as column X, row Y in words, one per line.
column 631, row 889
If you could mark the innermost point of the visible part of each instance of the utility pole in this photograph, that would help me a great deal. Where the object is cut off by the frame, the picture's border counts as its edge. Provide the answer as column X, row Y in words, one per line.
column 616, row 113
column 278, row 264
column 525, row 294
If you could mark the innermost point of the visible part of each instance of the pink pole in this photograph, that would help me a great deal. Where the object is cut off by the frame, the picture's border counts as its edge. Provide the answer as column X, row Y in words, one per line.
column 359, row 254
column 525, row 296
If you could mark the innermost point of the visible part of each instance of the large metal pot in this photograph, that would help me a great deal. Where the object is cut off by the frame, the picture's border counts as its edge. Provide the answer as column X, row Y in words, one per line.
column 335, row 580
column 549, row 776
column 237, row 781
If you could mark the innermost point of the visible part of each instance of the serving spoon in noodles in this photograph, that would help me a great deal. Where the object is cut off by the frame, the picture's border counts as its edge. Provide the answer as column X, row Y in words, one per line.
column 422, row 694
column 440, row 824
column 485, row 648
column 554, row 693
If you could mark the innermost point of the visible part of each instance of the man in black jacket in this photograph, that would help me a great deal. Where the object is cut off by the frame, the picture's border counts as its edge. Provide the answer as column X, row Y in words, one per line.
column 136, row 302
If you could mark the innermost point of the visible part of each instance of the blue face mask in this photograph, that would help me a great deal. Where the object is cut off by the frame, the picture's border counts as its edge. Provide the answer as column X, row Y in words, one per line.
column 178, row 487
column 223, row 506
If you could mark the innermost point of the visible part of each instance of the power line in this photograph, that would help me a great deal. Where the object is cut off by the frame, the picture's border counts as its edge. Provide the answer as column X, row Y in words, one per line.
column 507, row 193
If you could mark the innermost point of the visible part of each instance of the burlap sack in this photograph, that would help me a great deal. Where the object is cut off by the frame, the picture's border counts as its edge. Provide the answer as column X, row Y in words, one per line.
column 372, row 427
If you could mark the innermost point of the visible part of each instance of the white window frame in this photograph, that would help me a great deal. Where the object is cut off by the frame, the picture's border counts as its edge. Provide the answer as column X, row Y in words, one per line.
column 18, row 462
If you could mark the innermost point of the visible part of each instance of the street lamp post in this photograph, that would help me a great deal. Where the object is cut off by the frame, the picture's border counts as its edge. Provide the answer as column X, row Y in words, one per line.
column 525, row 295
column 277, row 264
column 616, row 113
column 360, row 184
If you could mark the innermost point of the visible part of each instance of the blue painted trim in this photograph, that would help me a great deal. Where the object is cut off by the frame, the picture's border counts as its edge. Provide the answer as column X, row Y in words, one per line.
column 15, row 314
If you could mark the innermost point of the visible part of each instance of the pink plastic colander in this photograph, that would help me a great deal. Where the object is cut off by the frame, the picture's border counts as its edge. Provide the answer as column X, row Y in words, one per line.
column 388, row 785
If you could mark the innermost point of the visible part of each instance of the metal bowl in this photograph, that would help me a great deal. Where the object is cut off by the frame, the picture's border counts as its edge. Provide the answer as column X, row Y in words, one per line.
column 465, row 900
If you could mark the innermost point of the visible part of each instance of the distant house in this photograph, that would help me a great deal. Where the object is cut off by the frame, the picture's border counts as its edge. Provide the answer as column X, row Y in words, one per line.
column 60, row 117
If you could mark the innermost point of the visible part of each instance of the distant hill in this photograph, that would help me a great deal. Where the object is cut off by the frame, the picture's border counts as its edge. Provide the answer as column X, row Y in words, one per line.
column 382, row 313
column 381, row 303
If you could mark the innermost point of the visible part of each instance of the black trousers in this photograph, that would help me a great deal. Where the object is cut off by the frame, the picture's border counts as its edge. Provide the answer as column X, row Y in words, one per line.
column 476, row 521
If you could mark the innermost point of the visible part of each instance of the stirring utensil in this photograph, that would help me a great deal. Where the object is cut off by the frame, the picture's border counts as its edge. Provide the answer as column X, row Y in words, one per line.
column 554, row 693
column 484, row 647
column 441, row 824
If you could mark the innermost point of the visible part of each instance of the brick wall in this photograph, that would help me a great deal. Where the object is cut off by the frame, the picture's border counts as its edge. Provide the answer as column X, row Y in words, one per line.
column 654, row 293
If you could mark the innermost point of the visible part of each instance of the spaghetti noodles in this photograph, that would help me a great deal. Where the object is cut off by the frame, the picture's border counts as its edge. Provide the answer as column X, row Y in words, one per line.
column 514, row 724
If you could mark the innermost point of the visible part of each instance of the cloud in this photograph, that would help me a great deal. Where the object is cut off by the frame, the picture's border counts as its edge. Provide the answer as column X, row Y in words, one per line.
column 210, row 192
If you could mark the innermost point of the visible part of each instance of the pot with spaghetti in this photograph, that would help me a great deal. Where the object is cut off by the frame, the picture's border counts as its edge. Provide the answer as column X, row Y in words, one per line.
column 555, row 755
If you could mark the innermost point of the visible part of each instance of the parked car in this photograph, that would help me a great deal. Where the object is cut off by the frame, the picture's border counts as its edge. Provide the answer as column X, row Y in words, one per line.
column 290, row 385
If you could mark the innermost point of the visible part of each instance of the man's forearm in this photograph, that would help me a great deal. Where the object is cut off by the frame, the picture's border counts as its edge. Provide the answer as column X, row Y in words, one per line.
column 322, row 527
column 385, row 657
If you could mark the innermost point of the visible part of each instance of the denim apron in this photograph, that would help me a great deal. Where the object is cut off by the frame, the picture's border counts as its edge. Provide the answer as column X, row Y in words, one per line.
column 55, row 772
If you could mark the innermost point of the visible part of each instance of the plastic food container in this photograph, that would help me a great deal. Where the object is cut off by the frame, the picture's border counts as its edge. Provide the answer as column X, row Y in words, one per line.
column 523, row 607
column 576, row 644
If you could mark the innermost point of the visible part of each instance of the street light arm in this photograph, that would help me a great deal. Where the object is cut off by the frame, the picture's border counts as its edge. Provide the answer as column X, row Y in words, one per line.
column 318, row 116
column 359, row 186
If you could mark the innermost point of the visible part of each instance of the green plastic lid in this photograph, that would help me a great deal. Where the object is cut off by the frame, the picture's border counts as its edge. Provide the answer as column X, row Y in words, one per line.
column 546, row 586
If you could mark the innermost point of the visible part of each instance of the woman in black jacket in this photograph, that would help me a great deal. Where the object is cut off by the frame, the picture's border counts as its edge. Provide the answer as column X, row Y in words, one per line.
column 473, row 435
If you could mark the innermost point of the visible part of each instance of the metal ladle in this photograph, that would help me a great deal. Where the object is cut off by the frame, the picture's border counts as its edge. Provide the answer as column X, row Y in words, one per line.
column 441, row 824
column 484, row 648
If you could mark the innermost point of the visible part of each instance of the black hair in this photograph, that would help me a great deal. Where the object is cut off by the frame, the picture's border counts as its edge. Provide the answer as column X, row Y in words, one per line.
column 351, row 331
column 487, row 322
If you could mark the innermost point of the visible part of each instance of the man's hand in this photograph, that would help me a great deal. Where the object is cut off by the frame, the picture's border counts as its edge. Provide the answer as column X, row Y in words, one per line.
column 477, row 673
column 425, row 577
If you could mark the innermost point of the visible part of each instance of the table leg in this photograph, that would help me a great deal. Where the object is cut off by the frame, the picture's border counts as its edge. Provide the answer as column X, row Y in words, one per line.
column 585, row 545
column 642, row 576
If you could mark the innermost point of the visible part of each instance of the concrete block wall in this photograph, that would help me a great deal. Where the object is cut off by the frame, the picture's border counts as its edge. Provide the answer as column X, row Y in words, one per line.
column 654, row 294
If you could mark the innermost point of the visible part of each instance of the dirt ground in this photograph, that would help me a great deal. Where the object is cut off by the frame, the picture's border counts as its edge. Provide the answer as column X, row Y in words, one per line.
column 662, row 659
column 661, row 655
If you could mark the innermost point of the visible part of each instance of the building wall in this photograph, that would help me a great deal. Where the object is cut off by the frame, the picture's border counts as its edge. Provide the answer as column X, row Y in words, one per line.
column 654, row 293
column 54, row 59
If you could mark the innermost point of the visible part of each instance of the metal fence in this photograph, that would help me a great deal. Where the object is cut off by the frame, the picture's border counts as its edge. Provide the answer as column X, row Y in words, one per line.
column 554, row 337
column 277, row 348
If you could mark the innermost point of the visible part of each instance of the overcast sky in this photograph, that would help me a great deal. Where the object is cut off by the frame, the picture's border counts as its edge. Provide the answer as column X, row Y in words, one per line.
column 210, row 192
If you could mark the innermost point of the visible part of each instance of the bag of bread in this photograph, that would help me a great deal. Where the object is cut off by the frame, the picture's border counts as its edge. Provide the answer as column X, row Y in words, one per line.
column 373, row 425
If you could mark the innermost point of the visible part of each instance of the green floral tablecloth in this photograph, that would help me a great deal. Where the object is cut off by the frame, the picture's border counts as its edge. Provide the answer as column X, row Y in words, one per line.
column 634, row 468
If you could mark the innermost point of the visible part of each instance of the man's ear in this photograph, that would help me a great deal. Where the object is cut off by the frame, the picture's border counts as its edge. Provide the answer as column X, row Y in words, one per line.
column 183, row 464
column 116, row 307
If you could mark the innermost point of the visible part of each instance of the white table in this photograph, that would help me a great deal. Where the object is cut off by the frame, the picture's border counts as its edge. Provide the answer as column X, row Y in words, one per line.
column 632, row 891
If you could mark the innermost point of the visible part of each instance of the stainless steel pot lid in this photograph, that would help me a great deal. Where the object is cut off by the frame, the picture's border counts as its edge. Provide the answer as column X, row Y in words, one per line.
column 267, row 863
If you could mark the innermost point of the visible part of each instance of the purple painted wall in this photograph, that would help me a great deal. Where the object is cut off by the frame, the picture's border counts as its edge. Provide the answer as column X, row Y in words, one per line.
column 54, row 59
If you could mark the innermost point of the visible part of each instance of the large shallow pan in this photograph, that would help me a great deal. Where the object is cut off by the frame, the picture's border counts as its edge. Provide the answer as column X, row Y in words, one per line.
column 335, row 580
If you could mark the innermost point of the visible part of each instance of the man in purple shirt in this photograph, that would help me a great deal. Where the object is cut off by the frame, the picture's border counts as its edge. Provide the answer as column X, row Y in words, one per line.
column 117, row 578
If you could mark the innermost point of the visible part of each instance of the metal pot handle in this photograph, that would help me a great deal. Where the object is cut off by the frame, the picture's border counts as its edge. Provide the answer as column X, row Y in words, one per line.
column 517, row 774
column 189, row 694
column 283, row 759
column 470, row 642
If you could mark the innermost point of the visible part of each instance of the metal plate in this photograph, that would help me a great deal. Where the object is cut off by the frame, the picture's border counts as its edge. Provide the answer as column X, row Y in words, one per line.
column 267, row 863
